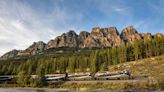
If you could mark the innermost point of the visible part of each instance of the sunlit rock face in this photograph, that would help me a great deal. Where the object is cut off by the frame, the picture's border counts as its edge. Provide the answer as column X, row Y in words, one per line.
column 130, row 34
column 158, row 35
column 146, row 36
column 103, row 37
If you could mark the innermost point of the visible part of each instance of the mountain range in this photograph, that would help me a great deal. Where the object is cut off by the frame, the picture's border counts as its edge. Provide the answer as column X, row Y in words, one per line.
column 98, row 38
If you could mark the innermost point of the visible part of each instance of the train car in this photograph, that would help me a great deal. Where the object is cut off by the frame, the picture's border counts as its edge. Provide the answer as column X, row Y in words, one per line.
column 114, row 77
column 123, row 75
column 80, row 78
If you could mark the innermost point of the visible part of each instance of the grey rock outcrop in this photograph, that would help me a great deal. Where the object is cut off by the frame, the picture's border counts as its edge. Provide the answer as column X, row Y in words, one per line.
column 69, row 39
column 10, row 54
column 35, row 48
column 82, row 37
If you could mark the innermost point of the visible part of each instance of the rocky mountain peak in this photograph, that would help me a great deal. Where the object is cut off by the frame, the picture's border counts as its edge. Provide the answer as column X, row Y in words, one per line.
column 146, row 36
column 37, row 45
column 35, row 48
column 158, row 35
column 84, row 33
column 69, row 39
column 10, row 54
column 112, row 31
column 129, row 30
column 71, row 33
column 103, row 37
column 96, row 30
column 130, row 34
column 99, row 37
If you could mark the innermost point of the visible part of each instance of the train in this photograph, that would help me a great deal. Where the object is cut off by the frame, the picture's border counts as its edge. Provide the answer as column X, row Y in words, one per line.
column 105, row 75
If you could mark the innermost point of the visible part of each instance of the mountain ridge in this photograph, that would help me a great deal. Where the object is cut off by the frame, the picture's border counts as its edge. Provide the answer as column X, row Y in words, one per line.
column 98, row 37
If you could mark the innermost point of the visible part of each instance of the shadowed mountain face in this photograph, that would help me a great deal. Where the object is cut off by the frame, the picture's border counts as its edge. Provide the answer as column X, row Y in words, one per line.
column 35, row 48
column 99, row 38
column 69, row 39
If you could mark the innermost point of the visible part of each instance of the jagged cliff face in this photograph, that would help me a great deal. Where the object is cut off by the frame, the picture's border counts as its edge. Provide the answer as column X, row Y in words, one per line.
column 130, row 34
column 35, row 48
column 147, row 36
column 69, row 39
column 10, row 54
column 158, row 35
column 99, row 37
column 103, row 37
column 82, row 37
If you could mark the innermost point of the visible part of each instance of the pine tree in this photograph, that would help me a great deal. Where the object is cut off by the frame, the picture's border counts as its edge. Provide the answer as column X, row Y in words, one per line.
column 94, row 67
column 40, row 80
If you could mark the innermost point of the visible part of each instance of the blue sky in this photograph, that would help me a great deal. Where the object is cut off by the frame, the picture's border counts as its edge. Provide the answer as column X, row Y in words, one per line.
column 24, row 21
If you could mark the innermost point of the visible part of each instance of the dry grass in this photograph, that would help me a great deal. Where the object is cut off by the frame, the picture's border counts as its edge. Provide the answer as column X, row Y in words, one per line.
column 109, row 86
column 151, row 67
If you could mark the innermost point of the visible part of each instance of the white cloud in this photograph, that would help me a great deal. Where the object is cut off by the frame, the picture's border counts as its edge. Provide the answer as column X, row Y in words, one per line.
column 14, row 35
column 21, row 25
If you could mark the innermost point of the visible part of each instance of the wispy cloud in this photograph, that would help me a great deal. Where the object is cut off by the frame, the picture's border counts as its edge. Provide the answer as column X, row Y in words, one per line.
column 110, row 8
column 21, row 25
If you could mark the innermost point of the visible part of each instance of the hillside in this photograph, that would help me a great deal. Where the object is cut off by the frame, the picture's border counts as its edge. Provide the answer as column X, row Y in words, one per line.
column 143, row 57
column 152, row 68
column 147, row 73
column 105, row 50
column 62, row 60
